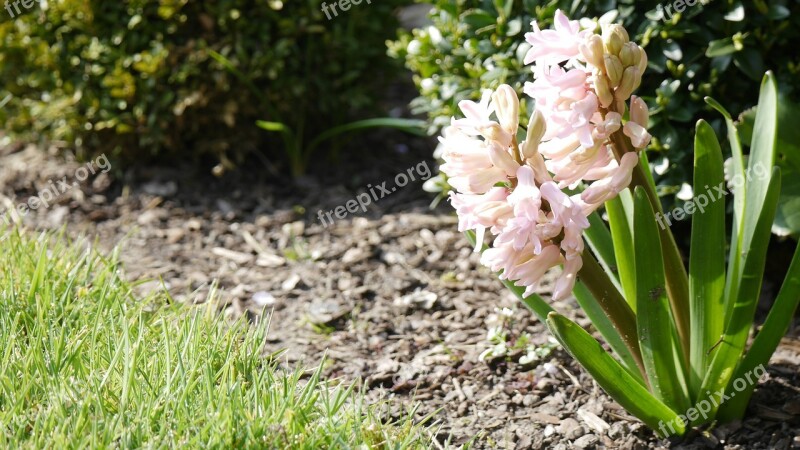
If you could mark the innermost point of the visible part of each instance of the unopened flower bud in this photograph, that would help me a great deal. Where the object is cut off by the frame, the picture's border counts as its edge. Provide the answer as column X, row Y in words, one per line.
column 615, row 36
column 629, row 55
column 603, row 90
column 592, row 50
column 494, row 132
column 628, row 84
column 638, row 134
column 536, row 130
column 613, row 69
column 641, row 64
column 502, row 160
column 639, row 111
column 507, row 107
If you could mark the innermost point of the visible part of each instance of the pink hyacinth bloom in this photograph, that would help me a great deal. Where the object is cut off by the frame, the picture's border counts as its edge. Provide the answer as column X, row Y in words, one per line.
column 558, row 45
column 569, row 215
column 566, row 281
column 528, row 272
column 468, row 163
column 566, row 102
column 476, row 115
column 526, row 202
column 638, row 134
column 607, row 188
column 481, row 210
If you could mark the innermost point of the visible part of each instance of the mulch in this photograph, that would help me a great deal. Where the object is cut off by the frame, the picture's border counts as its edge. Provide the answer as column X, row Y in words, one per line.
column 393, row 298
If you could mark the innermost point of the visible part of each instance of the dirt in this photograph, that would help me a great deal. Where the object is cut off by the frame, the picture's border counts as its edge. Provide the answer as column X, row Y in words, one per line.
column 393, row 298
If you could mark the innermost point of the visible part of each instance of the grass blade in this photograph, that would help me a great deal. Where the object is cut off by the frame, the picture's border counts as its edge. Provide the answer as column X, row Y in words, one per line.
column 655, row 324
column 612, row 377
column 412, row 126
column 707, row 255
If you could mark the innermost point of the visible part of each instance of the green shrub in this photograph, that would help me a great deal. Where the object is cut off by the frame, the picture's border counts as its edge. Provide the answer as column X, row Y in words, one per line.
column 720, row 49
column 137, row 78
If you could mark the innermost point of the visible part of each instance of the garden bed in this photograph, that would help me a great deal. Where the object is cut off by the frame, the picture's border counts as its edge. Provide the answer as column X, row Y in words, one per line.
column 394, row 297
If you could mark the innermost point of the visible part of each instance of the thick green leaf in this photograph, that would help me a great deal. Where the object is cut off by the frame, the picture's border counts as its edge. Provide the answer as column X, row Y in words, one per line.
column 535, row 303
column 600, row 320
column 613, row 378
column 645, row 163
column 654, row 321
column 738, row 190
column 623, row 248
column 767, row 340
column 707, row 255
column 599, row 239
column 727, row 352
column 756, row 179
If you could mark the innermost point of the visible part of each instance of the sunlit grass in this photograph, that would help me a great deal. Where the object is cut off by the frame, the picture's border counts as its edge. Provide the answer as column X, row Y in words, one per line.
column 84, row 364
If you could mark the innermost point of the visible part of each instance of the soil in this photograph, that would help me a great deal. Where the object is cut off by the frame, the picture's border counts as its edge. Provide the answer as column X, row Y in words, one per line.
column 392, row 298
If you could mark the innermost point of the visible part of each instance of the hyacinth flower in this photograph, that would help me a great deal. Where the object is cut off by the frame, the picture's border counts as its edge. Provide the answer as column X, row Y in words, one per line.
column 529, row 198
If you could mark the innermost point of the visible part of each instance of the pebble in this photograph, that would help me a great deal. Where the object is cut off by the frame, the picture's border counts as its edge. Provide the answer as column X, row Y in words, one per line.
column 585, row 441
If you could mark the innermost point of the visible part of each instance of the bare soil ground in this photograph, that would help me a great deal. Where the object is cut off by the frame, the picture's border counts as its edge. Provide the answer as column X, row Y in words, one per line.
column 394, row 297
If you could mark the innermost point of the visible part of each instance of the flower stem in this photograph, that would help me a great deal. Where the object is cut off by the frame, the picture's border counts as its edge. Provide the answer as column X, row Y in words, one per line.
column 674, row 269
column 614, row 305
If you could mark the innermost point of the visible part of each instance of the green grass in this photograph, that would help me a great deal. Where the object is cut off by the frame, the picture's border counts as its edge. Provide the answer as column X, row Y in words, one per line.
column 84, row 364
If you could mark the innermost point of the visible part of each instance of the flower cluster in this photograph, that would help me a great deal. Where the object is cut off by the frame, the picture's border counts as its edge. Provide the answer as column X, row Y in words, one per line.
column 582, row 84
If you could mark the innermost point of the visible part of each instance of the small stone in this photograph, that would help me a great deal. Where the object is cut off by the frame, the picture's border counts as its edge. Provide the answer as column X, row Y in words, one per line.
column 570, row 429
column 585, row 441
column 291, row 282
column 530, row 399
column 263, row 299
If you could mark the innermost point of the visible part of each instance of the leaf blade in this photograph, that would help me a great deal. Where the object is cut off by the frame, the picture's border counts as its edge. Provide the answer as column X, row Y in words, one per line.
column 654, row 321
column 707, row 256
column 612, row 377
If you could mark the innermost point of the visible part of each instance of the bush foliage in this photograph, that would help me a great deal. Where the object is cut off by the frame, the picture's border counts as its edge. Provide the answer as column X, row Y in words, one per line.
column 721, row 49
column 136, row 78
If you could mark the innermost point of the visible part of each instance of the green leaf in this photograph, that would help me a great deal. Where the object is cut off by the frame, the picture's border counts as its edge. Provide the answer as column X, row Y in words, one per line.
column 738, row 190
column 600, row 241
column 730, row 347
column 750, row 62
column 721, row 47
column 411, row 126
column 787, row 219
column 767, row 340
column 707, row 255
column 475, row 18
column 272, row 126
column 623, row 248
column 762, row 159
column 613, row 378
column 595, row 313
column 656, row 327
column 535, row 303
